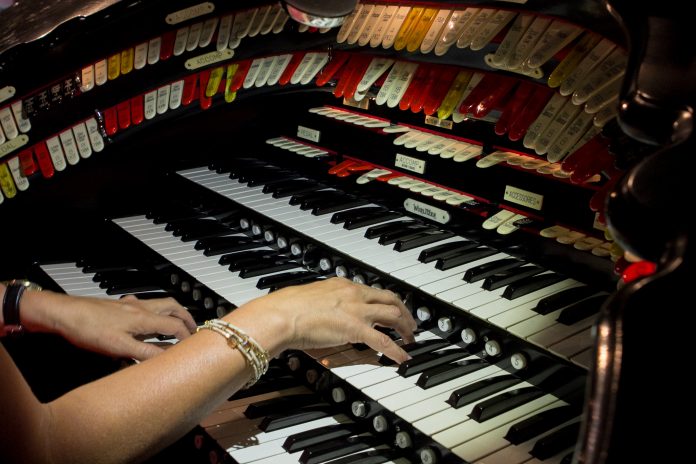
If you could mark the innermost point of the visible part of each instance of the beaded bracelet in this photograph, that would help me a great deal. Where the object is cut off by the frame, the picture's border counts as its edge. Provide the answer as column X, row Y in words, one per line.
column 256, row 357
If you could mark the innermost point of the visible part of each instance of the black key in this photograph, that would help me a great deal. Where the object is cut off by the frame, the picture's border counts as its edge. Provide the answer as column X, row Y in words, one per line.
column 378, row 230
column 403, row 234
column 228, row 163
column 504, row 402
column 282, row 405
column 246, row 174
column 563, row 298
column 337, row 448
column 567, row 459
column 211, row 230
column 446, row 372
column 322, row 197
column 446, row 249
column 343, row 216
column 302, row 440
column 218, row 241
column 228, row 244
column 505, row 278
column 297, row 199
column 481, row 389
column 235, row 260
column 120, row 289
column 370, row 219
column 307, row 414
column 581, row 310
column 425, row 361
column 260, row 269
column 286, row 278
column 531, row 284
column 425, row 238
column 156, row 294
column 338, row 206
column 555, row 442
column 268, row 177
column 131, row 278
column 105, row 266
column 482, row 271
column 291, row 187
column 237, row 170
column 416, row 348
column 539, row 423
column 114, row 275
column 179, row 227
column 464, row 258
column 176, row 214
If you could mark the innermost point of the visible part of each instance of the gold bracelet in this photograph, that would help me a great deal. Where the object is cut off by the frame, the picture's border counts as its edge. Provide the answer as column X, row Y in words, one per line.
column 256, row 357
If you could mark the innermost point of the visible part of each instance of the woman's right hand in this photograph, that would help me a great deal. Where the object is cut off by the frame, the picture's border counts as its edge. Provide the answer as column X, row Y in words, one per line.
column 327, row 313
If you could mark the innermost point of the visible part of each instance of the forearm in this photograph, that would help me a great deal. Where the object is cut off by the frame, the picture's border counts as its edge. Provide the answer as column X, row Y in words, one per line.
column 153, row 403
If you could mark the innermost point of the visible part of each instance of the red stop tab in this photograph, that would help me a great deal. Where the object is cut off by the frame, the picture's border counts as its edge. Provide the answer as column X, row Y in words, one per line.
column 136, row 104
column 189, row 91
column 110, row 121
column 167, row 47
column 44, row 159
column 124, row 114
column 337, row 61
column 240, row 75
column 27, row 163
column 290, row 69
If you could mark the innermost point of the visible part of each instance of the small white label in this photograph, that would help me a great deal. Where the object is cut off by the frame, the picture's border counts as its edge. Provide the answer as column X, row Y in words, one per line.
column 208, row 58
column 190, row 12
column 523, row 197
column 7, row 93
column 437, row 122
column 409, row 163
column 427, row 211
column 8, row 147
column 308, row 134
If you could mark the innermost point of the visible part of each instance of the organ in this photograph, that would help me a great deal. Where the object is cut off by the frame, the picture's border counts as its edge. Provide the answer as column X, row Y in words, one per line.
column 459, row 153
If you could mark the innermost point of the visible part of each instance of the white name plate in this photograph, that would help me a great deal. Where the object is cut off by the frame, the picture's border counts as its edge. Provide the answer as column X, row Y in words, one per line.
column 427, row 211
column 523, row 197
column 409, row 163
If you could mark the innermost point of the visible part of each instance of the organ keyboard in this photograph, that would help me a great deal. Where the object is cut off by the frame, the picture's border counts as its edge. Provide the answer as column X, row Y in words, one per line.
column 459, row 154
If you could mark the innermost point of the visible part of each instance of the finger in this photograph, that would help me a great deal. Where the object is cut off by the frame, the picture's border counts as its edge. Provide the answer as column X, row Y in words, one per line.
column 388, row 297
column 183, row 314
column 392, row 317
column 381, row 342
column 170, row 307
column 128, row 297
column 166, row 325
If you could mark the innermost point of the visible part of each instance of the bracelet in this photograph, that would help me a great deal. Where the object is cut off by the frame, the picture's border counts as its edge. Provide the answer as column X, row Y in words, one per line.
column 256, row 357
column 10, row 304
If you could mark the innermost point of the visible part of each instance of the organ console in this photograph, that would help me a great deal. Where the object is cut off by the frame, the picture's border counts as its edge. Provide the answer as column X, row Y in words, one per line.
column 488, row 161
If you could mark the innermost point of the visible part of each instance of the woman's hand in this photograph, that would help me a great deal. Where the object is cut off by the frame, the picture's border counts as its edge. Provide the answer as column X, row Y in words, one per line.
column 327, row 313
column 110, row 326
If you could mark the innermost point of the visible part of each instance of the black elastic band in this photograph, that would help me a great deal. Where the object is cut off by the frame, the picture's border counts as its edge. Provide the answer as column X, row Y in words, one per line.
column 10, row 303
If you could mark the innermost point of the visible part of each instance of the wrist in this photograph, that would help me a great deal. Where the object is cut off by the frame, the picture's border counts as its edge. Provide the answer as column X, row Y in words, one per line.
column 14, row 293
column 263, row 324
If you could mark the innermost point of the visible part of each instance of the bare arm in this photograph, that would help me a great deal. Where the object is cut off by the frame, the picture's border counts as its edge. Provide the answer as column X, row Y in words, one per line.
column 129, row 415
